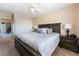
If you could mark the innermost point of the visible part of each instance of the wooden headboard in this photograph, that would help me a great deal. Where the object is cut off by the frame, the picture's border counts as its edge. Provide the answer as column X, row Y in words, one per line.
column 54, row 26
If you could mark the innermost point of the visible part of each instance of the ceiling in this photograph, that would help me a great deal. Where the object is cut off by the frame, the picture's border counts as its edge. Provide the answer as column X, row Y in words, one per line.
column 21, row 8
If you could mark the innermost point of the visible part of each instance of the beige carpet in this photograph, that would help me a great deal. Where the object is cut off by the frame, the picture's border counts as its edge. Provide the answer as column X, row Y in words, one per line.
column 7, row 49
column 64, row 52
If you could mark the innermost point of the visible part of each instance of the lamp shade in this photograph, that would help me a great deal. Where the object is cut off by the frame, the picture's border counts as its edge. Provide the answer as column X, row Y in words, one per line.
column 35, row 27
column 68, row 26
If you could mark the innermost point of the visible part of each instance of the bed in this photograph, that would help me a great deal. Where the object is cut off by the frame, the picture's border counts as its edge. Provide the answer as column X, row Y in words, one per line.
column 29, row 48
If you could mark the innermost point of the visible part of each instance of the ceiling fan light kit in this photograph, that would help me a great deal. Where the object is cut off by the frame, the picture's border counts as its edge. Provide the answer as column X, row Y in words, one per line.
column 33, row 9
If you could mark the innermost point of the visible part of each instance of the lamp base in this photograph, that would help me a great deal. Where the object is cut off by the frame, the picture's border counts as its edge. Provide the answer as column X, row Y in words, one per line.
column 67, row 32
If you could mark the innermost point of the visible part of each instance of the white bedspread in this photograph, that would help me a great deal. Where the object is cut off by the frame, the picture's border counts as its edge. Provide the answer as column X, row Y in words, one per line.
column 45, row 44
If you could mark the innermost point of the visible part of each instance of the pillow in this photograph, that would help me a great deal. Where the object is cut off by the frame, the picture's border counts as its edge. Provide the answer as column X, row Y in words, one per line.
column 42, row 30
column 38, row 30
column 49, row 30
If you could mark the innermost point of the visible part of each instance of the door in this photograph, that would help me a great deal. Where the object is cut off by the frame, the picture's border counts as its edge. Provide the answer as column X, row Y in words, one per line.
column 3, row 27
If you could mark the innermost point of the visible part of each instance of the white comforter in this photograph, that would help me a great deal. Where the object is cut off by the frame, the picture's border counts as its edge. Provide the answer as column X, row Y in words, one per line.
column 45, row 44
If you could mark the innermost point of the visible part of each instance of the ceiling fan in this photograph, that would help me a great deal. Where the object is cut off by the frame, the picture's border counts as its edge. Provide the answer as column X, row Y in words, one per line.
column 33, row 8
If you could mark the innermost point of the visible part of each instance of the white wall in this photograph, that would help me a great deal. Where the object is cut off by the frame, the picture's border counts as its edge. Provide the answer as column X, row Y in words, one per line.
column 22, row 24
column 5, row 15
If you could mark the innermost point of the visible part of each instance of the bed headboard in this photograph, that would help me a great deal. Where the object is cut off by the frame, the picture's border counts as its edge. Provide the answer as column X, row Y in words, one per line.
column 54, row 26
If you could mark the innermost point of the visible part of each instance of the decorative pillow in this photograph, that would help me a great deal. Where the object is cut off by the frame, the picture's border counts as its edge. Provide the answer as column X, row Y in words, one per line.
column 49, row 30
column 42, row 30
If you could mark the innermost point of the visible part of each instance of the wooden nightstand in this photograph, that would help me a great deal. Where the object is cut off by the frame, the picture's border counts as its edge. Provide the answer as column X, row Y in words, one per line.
column 69, row 43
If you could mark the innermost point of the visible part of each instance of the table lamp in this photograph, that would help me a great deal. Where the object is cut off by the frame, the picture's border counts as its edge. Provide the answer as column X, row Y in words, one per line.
column 68, row 27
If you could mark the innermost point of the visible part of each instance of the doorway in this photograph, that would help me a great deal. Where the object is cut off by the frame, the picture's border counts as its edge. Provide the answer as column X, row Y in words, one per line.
column 5, row 28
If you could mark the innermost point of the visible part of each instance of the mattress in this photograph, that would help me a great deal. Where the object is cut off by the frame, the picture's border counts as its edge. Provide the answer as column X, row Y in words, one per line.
column 45, row 44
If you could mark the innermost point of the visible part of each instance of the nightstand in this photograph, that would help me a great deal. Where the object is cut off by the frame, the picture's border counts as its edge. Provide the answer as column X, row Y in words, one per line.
column 69, row 43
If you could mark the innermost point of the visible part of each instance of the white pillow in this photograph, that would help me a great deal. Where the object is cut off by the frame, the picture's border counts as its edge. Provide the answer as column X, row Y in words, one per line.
column 42, row 30
column 49, row 30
